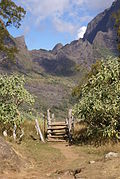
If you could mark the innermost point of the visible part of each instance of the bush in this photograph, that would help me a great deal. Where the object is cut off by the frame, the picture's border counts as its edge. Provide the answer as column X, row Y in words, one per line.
column 99, row 104
column 12, row 95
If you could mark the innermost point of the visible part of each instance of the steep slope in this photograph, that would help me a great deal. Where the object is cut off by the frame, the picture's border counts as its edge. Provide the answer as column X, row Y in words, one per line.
column 103, row 22
column 22, row 61
column 56, row 48
column 101, row 31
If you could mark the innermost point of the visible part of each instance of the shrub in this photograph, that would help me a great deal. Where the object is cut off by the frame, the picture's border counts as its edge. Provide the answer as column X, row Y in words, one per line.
column 99, row 104
column 12, row 95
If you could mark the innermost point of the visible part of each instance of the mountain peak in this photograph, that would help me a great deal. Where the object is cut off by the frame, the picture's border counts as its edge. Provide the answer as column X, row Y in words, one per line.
column 102, row 22
column 57, row 47
column 21, row 41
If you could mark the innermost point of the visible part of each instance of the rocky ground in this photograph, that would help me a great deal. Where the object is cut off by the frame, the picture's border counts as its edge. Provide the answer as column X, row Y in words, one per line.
column 34, row 160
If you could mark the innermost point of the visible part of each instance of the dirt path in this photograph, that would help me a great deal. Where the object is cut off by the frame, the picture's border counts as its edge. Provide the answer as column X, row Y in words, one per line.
column 67, row 151
column 68, row 158
column 59, row 161
column 89, row 165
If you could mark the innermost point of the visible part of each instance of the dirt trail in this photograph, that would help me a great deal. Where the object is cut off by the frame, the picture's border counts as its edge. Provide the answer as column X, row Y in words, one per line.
column 99, row 169
column 73, row 160
column 67, row 151
column 68, row 157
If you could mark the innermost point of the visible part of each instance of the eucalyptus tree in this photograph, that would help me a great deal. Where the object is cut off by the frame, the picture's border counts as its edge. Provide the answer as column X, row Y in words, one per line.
column 10, row 15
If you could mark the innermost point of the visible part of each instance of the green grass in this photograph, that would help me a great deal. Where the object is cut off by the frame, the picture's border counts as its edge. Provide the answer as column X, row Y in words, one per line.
column 39, row 155
column 43, row 154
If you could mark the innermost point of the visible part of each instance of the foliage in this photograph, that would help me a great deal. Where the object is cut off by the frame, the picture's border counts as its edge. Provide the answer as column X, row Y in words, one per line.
column 12, row 95
column 99, row 105
column 10, row 14
column 77, row 90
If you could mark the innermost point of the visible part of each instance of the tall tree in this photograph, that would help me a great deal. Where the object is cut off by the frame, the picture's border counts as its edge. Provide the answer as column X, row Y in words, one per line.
column 99, row 103
column 10, row 15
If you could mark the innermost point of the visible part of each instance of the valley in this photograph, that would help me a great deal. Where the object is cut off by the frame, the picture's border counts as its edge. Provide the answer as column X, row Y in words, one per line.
column 51, row 75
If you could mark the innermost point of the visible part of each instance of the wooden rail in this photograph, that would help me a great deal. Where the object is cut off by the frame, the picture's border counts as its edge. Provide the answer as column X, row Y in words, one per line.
column 60, row 131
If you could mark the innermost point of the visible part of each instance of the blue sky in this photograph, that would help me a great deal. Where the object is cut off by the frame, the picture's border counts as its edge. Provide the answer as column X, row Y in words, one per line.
column 49, row 22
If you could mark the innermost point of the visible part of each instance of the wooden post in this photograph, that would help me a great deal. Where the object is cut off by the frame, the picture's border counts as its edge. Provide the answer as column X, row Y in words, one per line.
column 53, row 117
column 48, row 118
column 44, row 124
column 49, row 121
column 39, row 130
column 71, row 120
column 70, row 125
column 14, row 131
column 67, row 121
column 22, row 134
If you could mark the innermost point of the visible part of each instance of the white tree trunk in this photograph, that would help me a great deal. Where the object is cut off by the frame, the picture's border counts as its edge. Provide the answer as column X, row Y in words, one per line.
column 14, row 132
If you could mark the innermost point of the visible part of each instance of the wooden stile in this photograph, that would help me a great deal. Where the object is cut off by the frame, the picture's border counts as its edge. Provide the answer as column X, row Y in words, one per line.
column 60, row 131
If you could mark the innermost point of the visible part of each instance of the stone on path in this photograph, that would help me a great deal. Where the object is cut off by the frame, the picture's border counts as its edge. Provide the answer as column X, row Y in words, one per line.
column 111, row 155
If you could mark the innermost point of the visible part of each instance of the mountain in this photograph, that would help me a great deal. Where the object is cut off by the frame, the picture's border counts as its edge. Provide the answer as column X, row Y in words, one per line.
column 51, row 75
column 101, row 31
column 98, row 41
column 56, row 48
column 103, row 22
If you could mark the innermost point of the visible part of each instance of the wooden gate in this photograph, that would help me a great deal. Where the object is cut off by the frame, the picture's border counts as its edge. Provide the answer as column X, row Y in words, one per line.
column 60, row 131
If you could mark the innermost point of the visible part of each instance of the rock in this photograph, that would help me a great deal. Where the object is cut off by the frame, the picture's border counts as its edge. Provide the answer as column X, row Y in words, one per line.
column 69, row 173
column 91, row 162
column 5, row 133
column 9, row 160
column 21, row 42
column 111, row 155
column 57, row 48
column 103, row 22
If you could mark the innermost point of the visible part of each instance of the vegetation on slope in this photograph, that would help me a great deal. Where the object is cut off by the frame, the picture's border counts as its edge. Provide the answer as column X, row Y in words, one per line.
column 99, row 103
column 12, row 96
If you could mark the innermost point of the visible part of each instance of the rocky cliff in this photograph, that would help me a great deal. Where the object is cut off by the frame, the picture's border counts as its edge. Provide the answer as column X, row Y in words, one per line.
column 103, row 22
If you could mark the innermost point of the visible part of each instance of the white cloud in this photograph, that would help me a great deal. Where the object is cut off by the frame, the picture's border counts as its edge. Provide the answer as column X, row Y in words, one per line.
column 78, row 2
column 81, row 32
column 93, row 4
column 63, row 26
column 65, row 15
column 97, row 5
column 43, row 9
